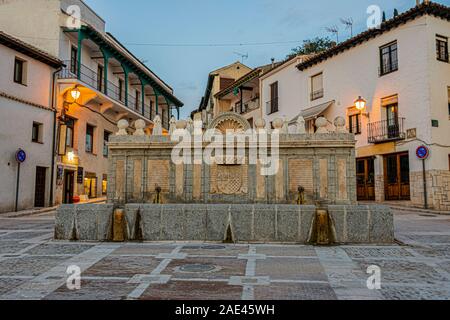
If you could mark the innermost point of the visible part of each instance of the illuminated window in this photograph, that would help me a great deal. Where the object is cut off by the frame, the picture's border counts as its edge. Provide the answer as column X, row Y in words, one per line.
column 90, row 185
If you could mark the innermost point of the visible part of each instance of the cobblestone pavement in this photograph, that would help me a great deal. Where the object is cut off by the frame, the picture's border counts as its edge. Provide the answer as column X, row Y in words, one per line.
column 32, row 266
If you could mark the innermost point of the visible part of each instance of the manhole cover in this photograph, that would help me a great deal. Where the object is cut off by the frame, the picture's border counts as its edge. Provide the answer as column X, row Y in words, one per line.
column 214, row 247
column 197, row 268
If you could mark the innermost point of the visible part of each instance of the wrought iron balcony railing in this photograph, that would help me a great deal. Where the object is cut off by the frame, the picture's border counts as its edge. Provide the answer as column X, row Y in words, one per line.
column 385, row 131
column 93, row 80
column 247, row 106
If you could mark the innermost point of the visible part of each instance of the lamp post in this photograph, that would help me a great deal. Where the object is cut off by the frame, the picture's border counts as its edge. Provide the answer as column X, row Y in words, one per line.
column 361, row 104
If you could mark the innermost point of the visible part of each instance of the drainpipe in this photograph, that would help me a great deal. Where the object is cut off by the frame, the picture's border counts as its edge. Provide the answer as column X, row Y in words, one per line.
column 52, row 173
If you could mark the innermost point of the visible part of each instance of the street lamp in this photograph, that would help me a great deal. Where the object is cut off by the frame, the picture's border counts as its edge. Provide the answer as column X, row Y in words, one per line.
column 75, row 93
column 360, row 103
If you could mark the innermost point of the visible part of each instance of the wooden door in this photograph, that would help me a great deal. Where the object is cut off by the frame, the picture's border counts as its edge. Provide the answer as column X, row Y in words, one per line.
column 365, row 177
column 39, row 189
column 396, row 177
column 69, row 180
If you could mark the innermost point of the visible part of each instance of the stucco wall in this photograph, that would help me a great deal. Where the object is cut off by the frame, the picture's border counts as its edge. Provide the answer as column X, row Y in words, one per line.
column 38, row 78
column 16, row 125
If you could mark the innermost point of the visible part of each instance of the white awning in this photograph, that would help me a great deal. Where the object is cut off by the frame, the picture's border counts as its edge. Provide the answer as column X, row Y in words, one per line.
column 313, row 112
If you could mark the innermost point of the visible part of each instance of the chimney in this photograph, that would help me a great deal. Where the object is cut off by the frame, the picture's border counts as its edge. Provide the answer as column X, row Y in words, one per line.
column 273, row 62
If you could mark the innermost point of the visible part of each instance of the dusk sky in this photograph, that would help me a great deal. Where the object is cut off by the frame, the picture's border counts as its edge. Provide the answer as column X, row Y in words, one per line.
column 183, row 40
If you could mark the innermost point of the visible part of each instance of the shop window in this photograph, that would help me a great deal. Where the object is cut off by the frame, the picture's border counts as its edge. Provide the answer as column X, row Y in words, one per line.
column 90, row 185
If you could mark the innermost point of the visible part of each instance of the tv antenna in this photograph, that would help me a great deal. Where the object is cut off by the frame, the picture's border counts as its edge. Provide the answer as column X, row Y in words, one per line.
column 243, row 56
column 334, row 30
column 348, row 25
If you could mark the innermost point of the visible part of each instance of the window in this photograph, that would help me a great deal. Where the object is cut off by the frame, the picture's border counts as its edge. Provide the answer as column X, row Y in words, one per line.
column 389, row 58
column 90, row 185
column 448, row 93
column 317, row 86
column 73, row 60
column 100, row 78
column 105, row 184
column 70, row 130
column 121, row 90
column 442, row 48
column 36, row 135
column 354, row 123
column 137, row 101
column 89, row 139
column 106, row 136
column 272, row 105
column 225, row 83
column 19, row 71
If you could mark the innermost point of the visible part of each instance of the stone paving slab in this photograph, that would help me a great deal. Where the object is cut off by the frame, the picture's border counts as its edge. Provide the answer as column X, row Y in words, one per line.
column 291, row 269
column 94, row 290
column 32, row 266
column 120, row 266
column 193, row 290
column 295, row 291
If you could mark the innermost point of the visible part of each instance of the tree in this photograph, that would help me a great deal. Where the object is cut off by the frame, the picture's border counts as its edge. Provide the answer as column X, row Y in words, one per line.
column 313, row 46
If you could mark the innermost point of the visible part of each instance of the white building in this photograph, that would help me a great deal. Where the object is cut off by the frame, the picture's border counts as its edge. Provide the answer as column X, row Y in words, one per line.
column 27, row 123
column 111, row 82
column 402, row 70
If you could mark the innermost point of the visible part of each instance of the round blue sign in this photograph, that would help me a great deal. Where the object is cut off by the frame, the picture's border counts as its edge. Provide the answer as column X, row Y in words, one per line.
column 422, row 152
column 21, row 156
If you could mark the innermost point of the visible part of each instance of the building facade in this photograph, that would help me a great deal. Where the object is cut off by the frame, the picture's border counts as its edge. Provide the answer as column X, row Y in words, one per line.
column 243, row 95
column 402, row 73
column 27, row 123
column 218, row 80
column 101, row 83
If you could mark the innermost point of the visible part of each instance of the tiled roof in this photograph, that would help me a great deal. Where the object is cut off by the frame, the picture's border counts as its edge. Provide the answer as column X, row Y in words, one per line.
column 29, row 50
column 426, row 8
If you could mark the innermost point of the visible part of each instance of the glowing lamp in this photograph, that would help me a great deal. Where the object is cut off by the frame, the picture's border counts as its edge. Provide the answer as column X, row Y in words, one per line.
column 71, row 156
column 360, row 104
column 75, row 93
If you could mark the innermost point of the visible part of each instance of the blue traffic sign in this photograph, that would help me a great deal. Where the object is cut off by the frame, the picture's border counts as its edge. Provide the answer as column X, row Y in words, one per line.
column 423, row 152
column 21, row 156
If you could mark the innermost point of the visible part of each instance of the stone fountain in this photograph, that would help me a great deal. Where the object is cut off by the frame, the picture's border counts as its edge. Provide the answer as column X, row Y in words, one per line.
column 297, row 188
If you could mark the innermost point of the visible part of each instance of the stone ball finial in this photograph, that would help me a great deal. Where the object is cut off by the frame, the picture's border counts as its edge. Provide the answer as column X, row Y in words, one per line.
column 278, row 124
column 172, row 125
column 123, row 126
column 301, row 129
column 139, row 125
column 321, row 124
column 339, row 123
column 260, row 124
column 157, row 129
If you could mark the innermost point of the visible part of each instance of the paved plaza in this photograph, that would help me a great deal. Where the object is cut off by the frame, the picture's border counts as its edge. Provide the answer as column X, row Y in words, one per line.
column 32, row 266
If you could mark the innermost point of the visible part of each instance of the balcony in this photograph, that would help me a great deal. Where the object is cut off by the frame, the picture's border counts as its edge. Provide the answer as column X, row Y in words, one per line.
column 272, row 106
column 247, row 106
column 386, row 131
column 92, row 79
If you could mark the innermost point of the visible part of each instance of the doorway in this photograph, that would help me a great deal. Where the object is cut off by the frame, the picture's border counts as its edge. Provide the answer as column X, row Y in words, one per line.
column 365, row 178
column 69, row 180
column 39, row 188
column 396, row 177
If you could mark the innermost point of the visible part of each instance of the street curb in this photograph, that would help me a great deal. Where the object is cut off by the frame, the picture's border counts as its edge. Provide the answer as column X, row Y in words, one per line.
column 28, row 213
column 419, row 210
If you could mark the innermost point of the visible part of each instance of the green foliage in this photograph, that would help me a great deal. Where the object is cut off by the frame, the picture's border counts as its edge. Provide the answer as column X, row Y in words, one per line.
column 313, row 46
